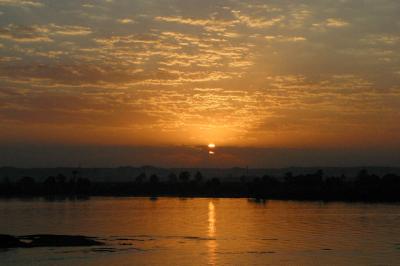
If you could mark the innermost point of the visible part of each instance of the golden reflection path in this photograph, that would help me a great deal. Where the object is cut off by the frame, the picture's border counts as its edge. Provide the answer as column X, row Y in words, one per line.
column 211, row 243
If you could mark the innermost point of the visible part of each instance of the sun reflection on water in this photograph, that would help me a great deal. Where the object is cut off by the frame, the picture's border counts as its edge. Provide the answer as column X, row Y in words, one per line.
column 212, row 243
column 211, row 219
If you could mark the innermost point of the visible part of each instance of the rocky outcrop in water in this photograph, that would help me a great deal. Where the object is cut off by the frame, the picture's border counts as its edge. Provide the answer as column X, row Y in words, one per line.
column 31, row 241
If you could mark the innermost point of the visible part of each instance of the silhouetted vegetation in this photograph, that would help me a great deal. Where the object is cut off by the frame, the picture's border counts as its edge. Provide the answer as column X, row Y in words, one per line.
column 313, row 186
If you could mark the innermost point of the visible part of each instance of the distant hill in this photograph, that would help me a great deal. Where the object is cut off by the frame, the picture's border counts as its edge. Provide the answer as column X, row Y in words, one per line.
column 128, row 173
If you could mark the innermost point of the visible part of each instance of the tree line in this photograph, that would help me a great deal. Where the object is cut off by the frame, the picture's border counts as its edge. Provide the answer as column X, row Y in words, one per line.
column 313, row 186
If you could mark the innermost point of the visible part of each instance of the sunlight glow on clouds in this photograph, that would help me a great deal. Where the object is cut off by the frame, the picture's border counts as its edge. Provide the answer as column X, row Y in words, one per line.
column 260, row 73
column 21, row 3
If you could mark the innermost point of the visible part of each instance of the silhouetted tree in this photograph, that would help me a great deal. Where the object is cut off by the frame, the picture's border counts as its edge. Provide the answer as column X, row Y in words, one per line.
column 335, row 181
column 215, row 182
column 198, row 177
column 318, row 175
column 315, row 178
column 172, row 178
column 269, row 181
column 50, row 183
column 27, row 185
column 288, row 177
column 257, row 181
column 154, row 179
column 184, row 176
column 5, row 186
column 83, row 185
column 61, row 179
column 140, row 178
column 26, row 181
column 75, row 174
column 391, row 179
column 364, row 178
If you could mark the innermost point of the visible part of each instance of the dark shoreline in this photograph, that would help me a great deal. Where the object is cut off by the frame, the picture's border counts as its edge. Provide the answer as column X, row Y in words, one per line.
column 155, row 198
column 310, row 187
column 302, row 195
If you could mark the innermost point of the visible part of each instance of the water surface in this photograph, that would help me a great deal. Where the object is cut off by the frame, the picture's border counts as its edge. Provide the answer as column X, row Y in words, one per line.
column 173, row 231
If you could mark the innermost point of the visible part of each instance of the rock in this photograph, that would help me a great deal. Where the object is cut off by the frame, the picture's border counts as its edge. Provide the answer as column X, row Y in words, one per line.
column 30, row 241
column 7, row 241
column 61, row 241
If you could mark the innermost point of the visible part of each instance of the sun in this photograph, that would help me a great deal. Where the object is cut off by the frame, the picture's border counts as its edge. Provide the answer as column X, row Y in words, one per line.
column 211, row 145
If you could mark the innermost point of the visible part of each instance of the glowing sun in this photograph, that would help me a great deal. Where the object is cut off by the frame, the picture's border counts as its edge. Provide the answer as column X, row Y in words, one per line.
column 211, row 145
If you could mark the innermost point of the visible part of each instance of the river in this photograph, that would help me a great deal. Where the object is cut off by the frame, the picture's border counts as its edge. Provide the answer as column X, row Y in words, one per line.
column 204, row 231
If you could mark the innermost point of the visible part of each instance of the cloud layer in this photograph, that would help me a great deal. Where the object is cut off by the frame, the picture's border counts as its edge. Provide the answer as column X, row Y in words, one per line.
column 304, row 74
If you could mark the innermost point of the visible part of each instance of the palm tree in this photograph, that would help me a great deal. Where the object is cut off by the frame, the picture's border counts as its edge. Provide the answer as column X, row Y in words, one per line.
column 154, row 179
column 172, row 178
column 198, row 177
column 184, row 176
column 140, row 178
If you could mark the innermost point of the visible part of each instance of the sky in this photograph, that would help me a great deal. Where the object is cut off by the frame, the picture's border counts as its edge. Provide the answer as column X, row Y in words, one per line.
column 271, row 83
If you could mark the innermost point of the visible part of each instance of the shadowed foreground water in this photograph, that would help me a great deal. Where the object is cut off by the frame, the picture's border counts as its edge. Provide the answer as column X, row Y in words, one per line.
column 173, row 231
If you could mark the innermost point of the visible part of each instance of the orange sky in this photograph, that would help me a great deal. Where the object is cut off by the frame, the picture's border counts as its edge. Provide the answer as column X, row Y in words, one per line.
column 256, row 74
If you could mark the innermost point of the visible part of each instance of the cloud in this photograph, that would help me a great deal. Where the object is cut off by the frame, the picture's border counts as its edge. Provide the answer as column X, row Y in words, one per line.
column 21, row 3
column 86, row 5
column 281, row 38
column 208, row 24
column 182, row 53
column 127, row 39
column 336, row 23
column 54, row 29
column 254, row 22
column 377, row 39
column 331, row 23
column 182, row 20
column 10, row 58
column 19, row 33
column 81, row 74
column 125, row 21
column 40, row 33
